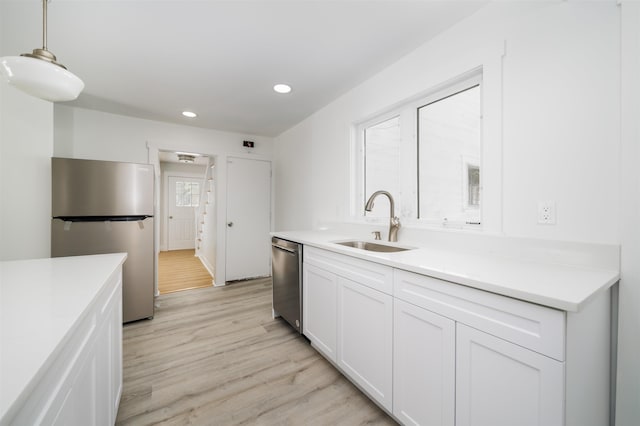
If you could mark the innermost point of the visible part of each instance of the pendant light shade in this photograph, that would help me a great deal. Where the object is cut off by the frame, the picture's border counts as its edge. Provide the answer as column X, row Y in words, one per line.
column 40, row 78
column 39, row 74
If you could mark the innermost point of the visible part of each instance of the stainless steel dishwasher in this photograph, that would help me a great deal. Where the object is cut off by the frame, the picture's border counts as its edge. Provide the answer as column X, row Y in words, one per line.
column 286, row 264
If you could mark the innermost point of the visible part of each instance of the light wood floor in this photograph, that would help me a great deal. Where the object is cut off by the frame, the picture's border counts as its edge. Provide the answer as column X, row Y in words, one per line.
column 216, row 357
column 181, row 270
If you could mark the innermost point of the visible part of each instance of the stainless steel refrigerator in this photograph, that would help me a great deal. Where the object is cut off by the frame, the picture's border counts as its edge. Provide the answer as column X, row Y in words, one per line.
column 105, row 207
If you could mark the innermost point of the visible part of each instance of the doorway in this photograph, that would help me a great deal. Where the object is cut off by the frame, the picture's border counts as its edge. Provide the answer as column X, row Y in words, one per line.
column 184, row 198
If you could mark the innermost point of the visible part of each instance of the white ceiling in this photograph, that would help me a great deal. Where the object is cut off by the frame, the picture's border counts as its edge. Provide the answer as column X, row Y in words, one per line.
column 155, row 58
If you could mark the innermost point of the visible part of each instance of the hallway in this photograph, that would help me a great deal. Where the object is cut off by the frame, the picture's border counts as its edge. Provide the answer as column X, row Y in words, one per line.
column 181, row 270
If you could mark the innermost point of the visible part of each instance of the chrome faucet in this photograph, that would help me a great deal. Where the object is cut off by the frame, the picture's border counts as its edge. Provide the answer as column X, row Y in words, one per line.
column 394, row 222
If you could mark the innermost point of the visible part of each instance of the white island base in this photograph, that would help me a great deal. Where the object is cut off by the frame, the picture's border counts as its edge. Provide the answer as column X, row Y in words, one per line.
column 61, row 340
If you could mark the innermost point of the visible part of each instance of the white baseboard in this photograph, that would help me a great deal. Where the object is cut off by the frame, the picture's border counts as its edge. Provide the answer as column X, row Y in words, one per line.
column 208, row 266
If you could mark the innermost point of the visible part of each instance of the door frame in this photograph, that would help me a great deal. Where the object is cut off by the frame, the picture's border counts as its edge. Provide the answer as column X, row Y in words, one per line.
column 220, row 179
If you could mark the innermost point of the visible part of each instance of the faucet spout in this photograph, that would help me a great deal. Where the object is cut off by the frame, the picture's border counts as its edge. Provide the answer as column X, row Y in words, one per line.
column 394, row 222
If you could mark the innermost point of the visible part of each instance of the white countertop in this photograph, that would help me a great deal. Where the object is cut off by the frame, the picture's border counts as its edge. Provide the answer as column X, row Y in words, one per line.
column 41, row 302
column 564, row 287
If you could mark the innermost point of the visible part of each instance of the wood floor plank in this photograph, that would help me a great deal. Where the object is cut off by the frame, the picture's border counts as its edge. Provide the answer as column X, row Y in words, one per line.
column 180, row 270
column 215, row 356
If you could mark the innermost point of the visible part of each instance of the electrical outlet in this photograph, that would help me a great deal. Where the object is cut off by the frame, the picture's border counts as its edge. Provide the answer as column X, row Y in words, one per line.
column 547, row 212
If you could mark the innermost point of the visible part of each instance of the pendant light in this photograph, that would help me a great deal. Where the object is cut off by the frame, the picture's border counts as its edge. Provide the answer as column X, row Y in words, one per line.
column 39, row 74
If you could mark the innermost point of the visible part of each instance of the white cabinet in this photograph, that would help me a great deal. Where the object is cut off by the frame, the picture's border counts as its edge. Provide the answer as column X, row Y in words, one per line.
column 516, row 363
column 348, row 316
column 83, row 384
column 423, row 367
column 433, row 352
column 497, row 376
column 365, row 318
column 499, row 383
column 109, row 362
column 319, row 299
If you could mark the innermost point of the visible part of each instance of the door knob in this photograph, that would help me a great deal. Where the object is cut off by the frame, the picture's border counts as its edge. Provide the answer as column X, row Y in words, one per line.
column 230, row 224
column 170, row 217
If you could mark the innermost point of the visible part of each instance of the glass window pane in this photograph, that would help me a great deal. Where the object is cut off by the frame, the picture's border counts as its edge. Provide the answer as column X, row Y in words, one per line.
column 180, row 194
column 449, row 134
column 382, row 163
column 195, row 194
column 187, row 194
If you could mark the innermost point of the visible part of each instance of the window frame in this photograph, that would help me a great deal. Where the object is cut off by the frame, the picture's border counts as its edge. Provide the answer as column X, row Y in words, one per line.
column 457, row 86
column 360, row 200
column 408, row 111
column 192, row 199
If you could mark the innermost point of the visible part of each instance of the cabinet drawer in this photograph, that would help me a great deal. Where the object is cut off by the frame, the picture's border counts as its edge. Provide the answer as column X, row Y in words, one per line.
column 536, row 327
column 376, row 276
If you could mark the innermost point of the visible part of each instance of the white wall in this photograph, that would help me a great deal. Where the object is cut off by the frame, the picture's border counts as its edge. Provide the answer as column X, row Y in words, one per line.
column 292, row 173
column 26, row 144
column 555, row 109
column 82, row 133
column 628, row 390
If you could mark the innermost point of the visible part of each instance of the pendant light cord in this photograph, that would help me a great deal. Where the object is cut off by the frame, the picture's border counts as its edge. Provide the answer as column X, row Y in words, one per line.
column 44, row 24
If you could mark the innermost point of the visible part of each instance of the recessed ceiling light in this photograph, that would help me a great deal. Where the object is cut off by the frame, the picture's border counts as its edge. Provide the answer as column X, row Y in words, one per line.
column 189, row 114
column 282, row 88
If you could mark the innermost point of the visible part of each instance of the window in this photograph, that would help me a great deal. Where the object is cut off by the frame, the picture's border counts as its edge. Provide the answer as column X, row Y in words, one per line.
column 448, row 158
column 427, row 154
column 187, row 194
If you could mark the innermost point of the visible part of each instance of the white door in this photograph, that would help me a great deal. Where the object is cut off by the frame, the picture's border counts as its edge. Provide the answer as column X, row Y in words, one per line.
column 499, row 383
column 248, row 218
column 424, row 345
column 319, row 315
column 365, row 338
column 183, row 198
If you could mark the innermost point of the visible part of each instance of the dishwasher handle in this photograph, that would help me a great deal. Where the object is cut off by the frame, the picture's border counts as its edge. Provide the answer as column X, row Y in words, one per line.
column 292, row 251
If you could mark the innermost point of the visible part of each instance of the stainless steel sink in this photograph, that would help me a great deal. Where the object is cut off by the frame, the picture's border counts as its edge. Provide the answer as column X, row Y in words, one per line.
column 369, row 246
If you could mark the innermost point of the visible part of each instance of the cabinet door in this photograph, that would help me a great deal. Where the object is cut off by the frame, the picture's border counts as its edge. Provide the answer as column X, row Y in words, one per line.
column 319, row 298
column 423, row 366
column 116, row 353
column 501, row 384
column 109, row 358
column 79, row 406
column 365, row 327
